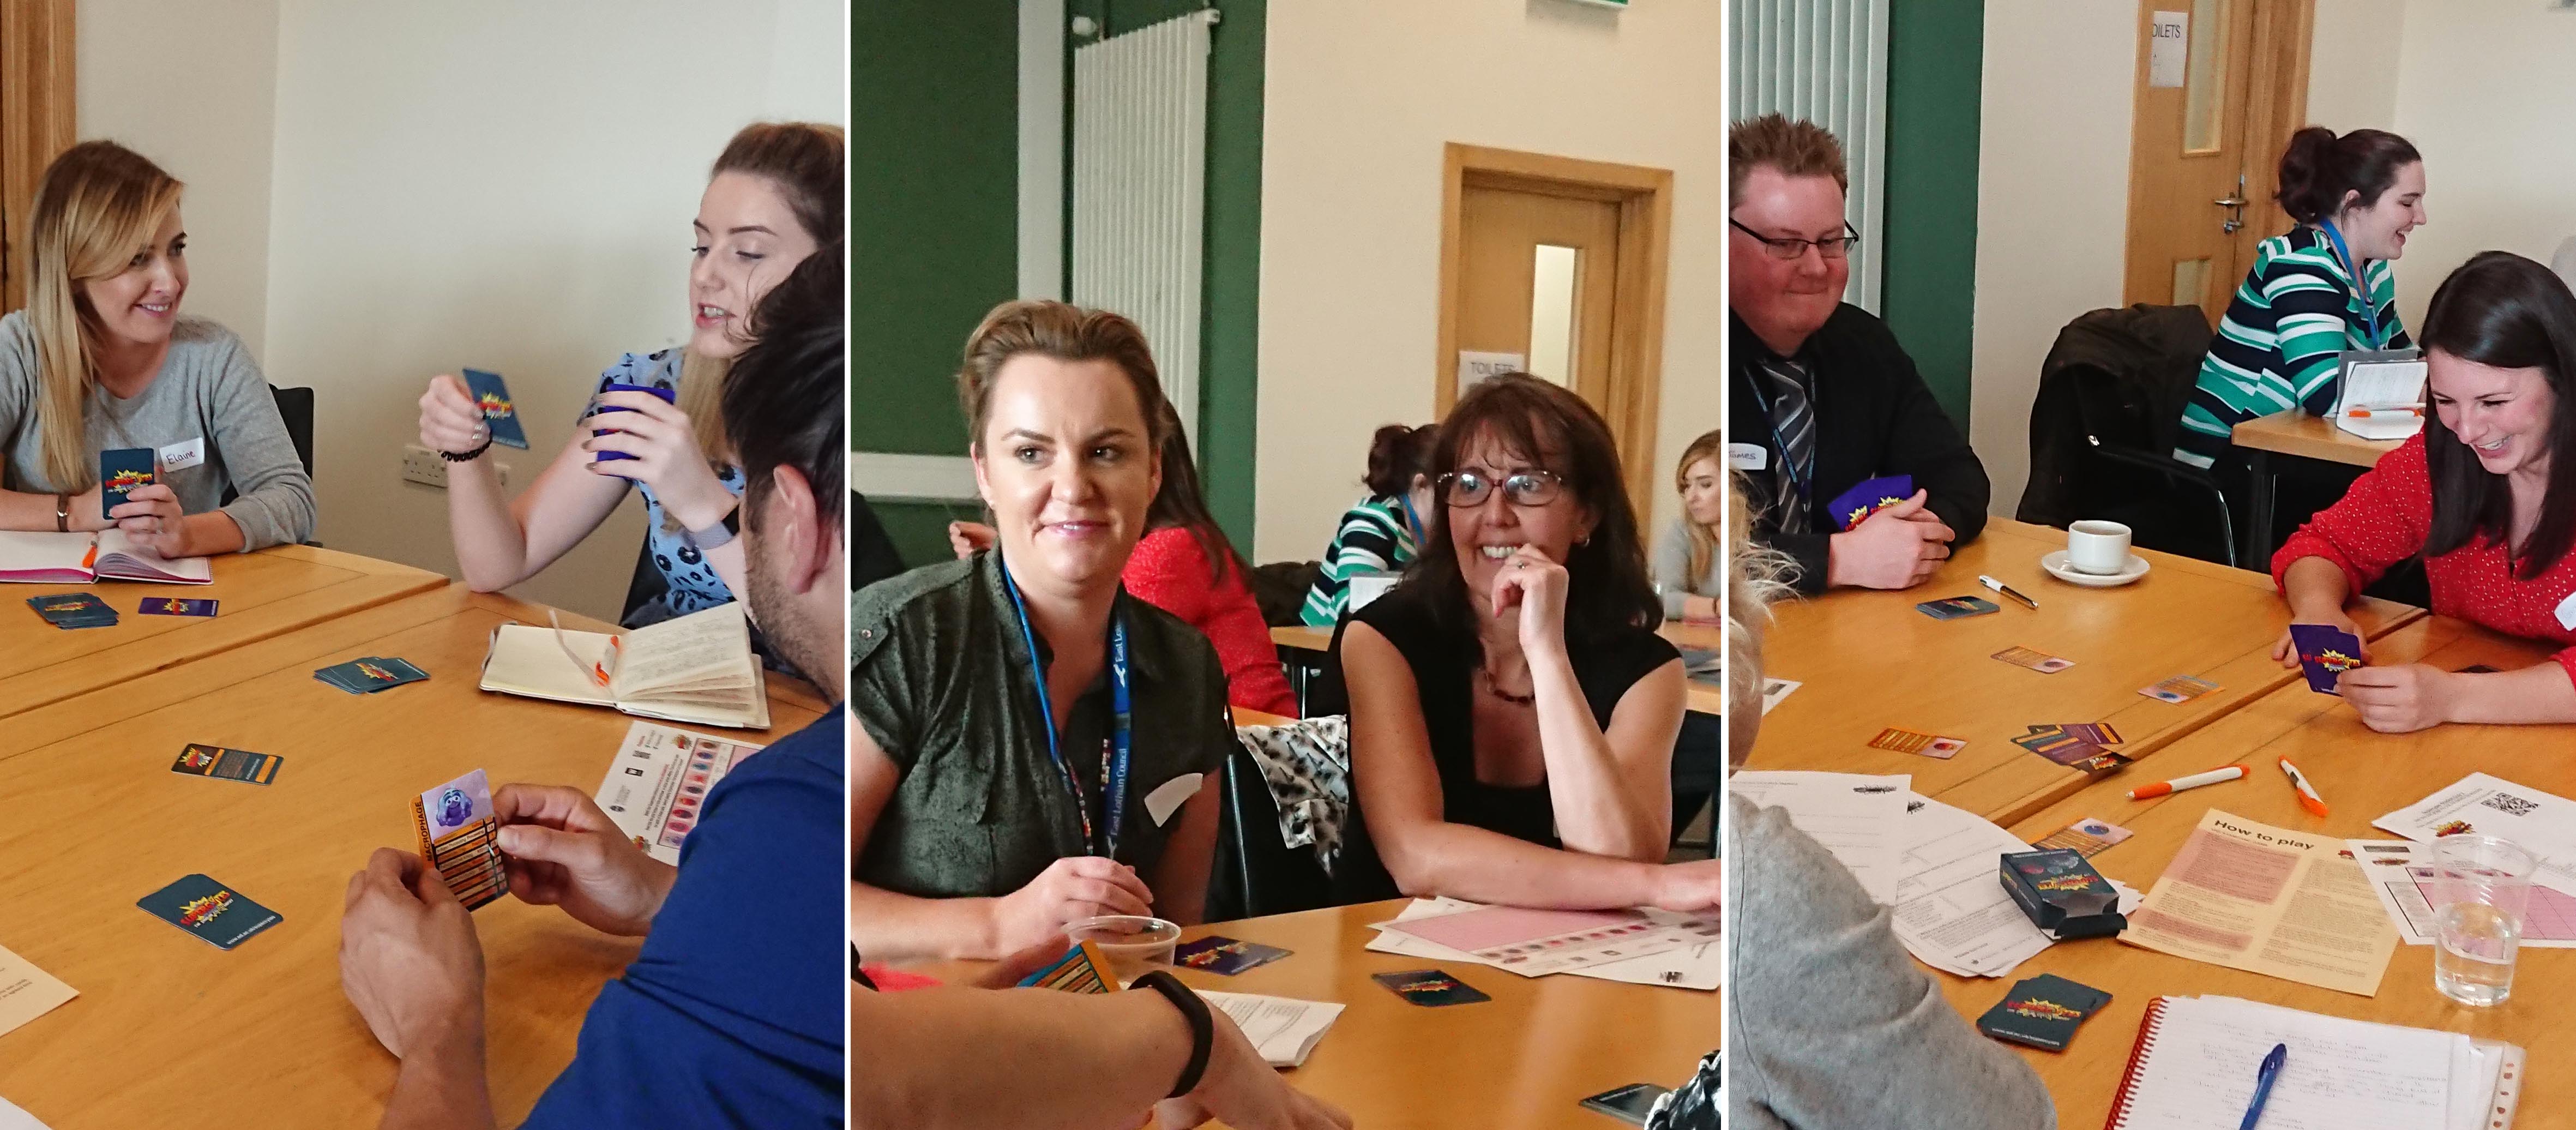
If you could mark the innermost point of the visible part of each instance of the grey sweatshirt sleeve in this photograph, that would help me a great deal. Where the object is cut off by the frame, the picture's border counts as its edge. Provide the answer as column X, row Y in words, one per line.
column 1833, row 1025
column 275, row 506
column 1672, row 568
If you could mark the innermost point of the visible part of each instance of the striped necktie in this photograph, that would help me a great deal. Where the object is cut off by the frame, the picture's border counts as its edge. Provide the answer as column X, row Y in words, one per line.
column 1793, row 417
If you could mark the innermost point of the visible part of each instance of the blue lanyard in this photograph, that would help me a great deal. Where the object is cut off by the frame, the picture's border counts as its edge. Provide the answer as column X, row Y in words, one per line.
column 1762, row 400
column 1412, row 521
column 1113, row 759
column 2369, row 310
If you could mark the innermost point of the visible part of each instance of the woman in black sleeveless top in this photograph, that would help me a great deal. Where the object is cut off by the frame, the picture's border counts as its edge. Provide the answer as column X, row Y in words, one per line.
column 1512, row 709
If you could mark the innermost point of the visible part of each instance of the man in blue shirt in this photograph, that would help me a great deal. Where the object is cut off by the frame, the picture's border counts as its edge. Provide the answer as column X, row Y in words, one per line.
column 731, row 1016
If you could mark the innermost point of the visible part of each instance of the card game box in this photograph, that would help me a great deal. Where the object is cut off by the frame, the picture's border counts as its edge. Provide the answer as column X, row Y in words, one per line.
column 2062, row 893
column 460, row 837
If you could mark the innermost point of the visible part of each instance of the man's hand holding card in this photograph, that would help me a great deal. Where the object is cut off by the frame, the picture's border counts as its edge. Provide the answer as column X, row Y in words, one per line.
column 411, row 962
column 561, row 850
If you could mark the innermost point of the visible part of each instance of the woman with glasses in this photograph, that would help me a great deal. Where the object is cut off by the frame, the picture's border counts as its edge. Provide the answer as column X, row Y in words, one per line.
column 1512, row 709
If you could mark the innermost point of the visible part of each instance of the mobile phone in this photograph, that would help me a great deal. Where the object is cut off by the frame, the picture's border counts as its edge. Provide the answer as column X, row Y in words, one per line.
column 1628, row 1104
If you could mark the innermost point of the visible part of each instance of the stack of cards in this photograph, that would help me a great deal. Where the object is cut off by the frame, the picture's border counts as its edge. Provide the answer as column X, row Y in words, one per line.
column 373, row 673
column 73, row 610
column 460, row 838
column 120, row 471
column 174, row 606
column 493, row 397
column 1430, row 988
column 1854, row 506
column 2076, row 745
column 2325, row 653
column 1956, row 607
column 1226, row 956
column 2179, row 689
column 2039, row 661
column 1916, row 741
column 1082, row 969
column 2042, row 1012
column 227, row 764
column 209, row 910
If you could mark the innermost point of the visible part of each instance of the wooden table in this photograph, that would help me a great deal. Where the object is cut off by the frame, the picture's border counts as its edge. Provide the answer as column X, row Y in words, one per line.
column 1520, row 1062
column 169, row 1029
column 2362, row 776
column 1870, row 661
column 1704, row 697
column 2299, row 435
column 263, row 594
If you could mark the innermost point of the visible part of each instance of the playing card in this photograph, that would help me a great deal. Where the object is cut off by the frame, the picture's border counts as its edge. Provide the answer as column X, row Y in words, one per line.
column 2043, row 740
column 1082, row 969
column 1854, row 506
column 493, row 397
column 2083, row 998
column 2325, row 653
column 73, row 610
column 2098, row 733
column 2180, row 688
column 174, row 606
column 1225, row 956
column 2087, row 837
column 2097, row 760
column 669, row 395
column 209, row 910
column 2039, row 661
column 373, row 673
column 120, row 470
column 1956, row 607
column 1430, row 988
column 226, row 764
column 1915, row 741
column 2042, row 1012
column 459, row 838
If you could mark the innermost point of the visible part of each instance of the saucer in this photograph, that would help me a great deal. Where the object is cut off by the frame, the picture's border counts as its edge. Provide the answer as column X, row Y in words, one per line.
column 2055, row 563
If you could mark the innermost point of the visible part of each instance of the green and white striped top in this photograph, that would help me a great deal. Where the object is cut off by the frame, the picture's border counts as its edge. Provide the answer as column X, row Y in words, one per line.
column 2275, row 349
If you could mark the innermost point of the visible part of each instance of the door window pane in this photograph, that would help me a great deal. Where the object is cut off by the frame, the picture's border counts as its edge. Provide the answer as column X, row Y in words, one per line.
column 2205, row 77
column 1552, row 313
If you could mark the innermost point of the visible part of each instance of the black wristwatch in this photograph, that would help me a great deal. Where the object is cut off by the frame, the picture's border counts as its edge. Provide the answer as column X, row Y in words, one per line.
column 1194, row 1010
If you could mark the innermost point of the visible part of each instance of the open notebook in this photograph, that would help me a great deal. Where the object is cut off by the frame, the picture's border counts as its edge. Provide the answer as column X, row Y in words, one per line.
column 697, row 668
column 2382, row 393
column 2196, row 1057
column 47, row 558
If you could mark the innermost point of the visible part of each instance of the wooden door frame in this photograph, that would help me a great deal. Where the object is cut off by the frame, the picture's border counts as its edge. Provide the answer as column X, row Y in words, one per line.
column 1645, row 199
column 37, row 119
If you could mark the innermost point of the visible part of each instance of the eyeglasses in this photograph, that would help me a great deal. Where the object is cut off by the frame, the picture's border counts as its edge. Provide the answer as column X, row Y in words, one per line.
column 1831, row 247
column 1521, row 488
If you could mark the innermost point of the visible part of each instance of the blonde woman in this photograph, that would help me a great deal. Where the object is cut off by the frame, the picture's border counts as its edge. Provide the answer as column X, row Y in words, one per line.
column 101, row 359
column 773, row 198
column 1686, row 562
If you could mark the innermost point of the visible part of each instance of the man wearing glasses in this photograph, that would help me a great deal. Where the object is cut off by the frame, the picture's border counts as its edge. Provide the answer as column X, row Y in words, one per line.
column 1823, row 396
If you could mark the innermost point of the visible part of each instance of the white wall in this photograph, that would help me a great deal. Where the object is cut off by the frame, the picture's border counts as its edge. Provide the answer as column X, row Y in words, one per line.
column 1361, row 95
column 194, row 88
column 2353, row 60
column 507, row 186
column 2052, row 204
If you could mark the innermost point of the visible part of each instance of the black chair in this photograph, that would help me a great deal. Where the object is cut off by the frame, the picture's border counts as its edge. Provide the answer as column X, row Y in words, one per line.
column 1256, row 873
column 295, row 409
column 2102, row 432
column 873, row 556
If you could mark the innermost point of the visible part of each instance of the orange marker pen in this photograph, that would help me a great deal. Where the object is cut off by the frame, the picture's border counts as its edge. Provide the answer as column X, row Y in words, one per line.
column 2196, row 780
column 2308, row 798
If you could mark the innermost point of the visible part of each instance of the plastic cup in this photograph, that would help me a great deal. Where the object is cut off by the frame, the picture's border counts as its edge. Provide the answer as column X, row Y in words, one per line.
column 1133, row 944
column 2481, row 887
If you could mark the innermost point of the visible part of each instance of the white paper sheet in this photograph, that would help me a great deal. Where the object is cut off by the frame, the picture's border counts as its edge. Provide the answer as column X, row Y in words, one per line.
column 2401, row 875
column 2340, row 1075
column 1857, row 817
column 12, row 1118
column 1283, row 1030
column 1700, row 965
column 1952, row 910
column 659, row 781
column 2541, row 823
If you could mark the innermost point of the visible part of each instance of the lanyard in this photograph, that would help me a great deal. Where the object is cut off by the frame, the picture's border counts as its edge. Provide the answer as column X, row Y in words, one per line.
column 2369, row 312
column 1412, row 521
column 1762, row 400
column 1113, row 756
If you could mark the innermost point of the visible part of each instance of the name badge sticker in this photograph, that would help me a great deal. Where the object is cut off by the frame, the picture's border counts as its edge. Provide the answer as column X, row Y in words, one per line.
column 184, row 454
column 1747, row 457
column 2567, row 613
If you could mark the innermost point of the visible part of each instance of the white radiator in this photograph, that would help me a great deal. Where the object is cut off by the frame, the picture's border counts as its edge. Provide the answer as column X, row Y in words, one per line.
column 1139, row 189
column 1825, row 61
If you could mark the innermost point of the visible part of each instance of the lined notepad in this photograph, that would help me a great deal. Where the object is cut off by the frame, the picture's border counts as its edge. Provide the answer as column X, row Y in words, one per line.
column 2196, row 1057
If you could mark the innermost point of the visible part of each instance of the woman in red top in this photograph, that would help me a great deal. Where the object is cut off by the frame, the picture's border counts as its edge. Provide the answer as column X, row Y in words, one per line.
column 2486, row 494
column 1185, row 566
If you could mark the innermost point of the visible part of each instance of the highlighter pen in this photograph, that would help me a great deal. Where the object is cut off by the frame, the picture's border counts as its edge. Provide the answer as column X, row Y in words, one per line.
column 2308, row 798
column 2382, row 413
column 2196, row 780
column 2007, row 590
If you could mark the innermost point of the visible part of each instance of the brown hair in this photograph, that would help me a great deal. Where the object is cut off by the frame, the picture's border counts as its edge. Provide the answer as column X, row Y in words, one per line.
column 1396, row 454
column 1607, row 585
column 98, row 204
column 2506, row 312
column 1180, row 503
column 1797, row 148
column 1066, row 333
column 803, row 162
column 1703, row 539
column 2317, row 168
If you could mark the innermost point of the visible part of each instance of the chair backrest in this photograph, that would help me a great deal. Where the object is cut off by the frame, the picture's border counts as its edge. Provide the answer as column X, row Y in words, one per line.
column 1256, row 873
column 295, row 408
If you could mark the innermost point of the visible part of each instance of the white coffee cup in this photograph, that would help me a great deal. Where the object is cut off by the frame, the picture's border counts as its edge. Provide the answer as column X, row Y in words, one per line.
column 2094, row 546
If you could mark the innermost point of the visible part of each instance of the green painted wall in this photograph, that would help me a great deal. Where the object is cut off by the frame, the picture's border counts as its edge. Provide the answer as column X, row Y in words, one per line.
column 1935, row 59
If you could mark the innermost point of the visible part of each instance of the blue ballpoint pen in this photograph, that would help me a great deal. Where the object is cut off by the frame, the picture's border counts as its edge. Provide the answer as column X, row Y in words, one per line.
column 2263, row 1077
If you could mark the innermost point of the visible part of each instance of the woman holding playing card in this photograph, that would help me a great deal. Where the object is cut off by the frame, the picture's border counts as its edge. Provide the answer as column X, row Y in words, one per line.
column 2485, row 494
column 101, row 364
column 1512, row 709
column 774, row 197
column 1033, row 741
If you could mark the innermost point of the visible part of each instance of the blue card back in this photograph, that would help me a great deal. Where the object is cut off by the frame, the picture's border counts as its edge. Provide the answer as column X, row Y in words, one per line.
column 120, row 470
column 499, row 414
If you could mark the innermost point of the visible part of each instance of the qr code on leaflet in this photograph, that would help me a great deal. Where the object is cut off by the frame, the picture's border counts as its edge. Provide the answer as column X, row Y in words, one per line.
column 2509, row 804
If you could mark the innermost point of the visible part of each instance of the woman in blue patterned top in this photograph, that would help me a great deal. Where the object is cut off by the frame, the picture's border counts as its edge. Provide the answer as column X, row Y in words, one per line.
column 774, row 197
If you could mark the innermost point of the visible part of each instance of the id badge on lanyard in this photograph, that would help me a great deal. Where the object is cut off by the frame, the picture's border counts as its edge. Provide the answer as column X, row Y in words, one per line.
column 1113, row 770
column 2360, row 288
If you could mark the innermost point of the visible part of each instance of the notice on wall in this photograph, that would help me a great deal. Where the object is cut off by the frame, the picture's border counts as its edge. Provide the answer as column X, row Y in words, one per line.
column 2168, row 48
column 1474, row 366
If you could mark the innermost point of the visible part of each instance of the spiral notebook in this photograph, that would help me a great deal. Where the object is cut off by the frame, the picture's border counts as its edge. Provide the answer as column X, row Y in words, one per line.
column 2194, row 1064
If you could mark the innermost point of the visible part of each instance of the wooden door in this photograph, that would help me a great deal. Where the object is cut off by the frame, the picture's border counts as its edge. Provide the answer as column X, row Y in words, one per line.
column 36, row 120
column 2220, row 86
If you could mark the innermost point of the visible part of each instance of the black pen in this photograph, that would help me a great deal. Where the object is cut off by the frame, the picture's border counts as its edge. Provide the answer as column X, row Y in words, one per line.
column 2007, row 590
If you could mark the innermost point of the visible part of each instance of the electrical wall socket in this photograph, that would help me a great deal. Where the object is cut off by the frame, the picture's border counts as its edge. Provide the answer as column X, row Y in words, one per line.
column 423, row 466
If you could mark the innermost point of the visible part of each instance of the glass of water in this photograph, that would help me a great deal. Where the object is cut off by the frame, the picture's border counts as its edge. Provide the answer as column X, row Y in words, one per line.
column 2480, row 888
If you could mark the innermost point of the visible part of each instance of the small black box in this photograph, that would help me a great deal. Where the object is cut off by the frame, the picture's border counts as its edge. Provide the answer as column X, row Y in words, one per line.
column 2063, row 894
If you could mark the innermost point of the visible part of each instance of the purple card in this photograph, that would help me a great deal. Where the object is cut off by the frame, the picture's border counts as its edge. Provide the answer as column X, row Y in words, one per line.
column 1854, row 506
column 2325, row 653
column 176, row 606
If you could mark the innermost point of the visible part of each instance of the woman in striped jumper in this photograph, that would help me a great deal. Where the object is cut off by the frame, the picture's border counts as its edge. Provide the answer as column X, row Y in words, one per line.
column 1380, row 534
column 2320, row 289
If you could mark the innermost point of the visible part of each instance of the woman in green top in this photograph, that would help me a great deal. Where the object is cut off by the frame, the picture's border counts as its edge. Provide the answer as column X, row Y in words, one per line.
column 1032, row 741
column 1382, row 533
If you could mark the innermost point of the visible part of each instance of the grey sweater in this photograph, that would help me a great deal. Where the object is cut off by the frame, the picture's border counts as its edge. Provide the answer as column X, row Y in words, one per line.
column 1672, row 569
column 1833, row 1027
column 208, row 389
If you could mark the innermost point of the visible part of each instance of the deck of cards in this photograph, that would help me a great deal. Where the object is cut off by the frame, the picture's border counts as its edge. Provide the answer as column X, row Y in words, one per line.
column 198, row 760
column 460, row 838
column 2076, row 745
column 120, row 470
column 2043, row 1012
column 1956, row 607
column 493, row 397
column 1430, row 988
column 209, row 910
column 2062, row 894
column 371, row 674
column 1224, row 956
column 2325, row 653
column 73, row 610
column 1854, row 506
